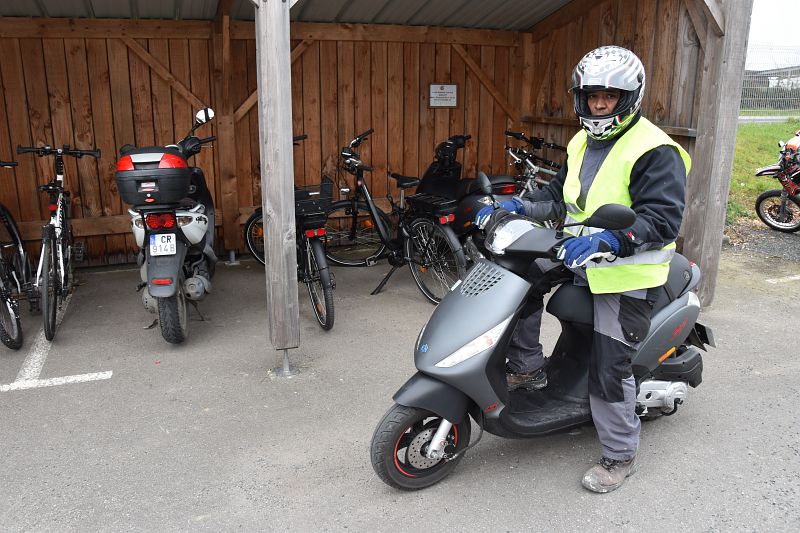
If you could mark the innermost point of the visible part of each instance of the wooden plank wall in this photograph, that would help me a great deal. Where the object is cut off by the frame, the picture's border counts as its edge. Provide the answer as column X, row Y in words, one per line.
column 660, row 32
column 91, row 92
column 100, row 83
column 342, row 88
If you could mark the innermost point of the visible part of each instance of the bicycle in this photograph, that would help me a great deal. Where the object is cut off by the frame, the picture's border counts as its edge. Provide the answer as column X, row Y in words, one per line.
column 54, row 272
column 312, row 266
column 358, row 233
column 15, row 277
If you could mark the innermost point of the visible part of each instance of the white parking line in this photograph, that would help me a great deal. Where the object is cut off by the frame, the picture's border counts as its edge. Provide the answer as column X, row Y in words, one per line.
column 36, row 383
column 37, row 353
column 28, row 375
column 787, row 279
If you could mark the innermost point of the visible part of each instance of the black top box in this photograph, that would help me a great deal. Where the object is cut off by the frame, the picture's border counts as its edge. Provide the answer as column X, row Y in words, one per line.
column 153, row 175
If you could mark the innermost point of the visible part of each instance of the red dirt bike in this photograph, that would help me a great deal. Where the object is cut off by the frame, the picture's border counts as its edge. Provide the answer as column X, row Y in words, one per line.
column 780, row 208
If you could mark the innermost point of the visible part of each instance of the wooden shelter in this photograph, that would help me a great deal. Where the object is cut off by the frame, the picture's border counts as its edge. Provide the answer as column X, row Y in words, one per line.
column 97, row 73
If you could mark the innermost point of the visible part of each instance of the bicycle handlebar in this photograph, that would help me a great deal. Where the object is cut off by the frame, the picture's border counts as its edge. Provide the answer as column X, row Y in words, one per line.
column 361, row 138
column 207, row 139
column 8, row 164
column 42, row 151
column 299, row 138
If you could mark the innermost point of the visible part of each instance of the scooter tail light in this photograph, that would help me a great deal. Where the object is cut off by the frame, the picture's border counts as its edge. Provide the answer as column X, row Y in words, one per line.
column 172, row 161
column 475, row 346
column 505, row 189
column 161, row 281
column 160, row 220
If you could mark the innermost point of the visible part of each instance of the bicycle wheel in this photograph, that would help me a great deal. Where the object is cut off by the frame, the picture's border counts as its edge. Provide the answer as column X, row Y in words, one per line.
column 48, row 284
column 436, row 258
column 778, row 212
column 254, row 236
column 319, row 283
column 351, row 237
column 10, row 327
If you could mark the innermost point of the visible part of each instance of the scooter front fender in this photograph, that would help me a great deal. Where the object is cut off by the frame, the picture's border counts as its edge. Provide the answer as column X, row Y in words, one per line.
column 425, row 392
column 165, row 267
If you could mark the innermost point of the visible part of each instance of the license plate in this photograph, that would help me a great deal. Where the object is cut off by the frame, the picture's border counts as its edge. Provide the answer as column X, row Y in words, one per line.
column 162, row 244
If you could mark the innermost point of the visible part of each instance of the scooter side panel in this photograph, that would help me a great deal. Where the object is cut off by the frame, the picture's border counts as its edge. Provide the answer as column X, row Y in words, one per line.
column 424, row 392
column 165, row 266
column 488, row 295
column 668, row 329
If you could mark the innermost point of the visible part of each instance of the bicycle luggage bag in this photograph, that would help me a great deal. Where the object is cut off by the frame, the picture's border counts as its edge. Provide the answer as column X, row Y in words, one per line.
column 153, row 175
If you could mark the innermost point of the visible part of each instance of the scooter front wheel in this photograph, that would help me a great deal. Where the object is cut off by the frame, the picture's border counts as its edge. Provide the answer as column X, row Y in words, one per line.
column 400, row 443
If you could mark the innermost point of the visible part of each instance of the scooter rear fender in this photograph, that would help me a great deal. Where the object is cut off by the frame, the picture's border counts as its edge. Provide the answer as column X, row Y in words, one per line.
column 425, row 392
column 165, row 267
column 669, row 328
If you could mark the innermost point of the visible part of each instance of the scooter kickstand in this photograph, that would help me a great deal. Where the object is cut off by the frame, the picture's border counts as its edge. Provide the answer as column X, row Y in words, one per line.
column 379, row 288
column 196, row 308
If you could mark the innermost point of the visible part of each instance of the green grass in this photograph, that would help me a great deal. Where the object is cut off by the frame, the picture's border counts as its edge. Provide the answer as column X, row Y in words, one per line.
column 756, row 146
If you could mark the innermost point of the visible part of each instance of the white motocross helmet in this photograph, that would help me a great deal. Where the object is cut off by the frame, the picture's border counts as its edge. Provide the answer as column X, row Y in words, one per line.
column 608, row 67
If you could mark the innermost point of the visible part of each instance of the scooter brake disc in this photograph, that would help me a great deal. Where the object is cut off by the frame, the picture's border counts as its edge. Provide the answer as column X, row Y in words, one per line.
column 415, row 454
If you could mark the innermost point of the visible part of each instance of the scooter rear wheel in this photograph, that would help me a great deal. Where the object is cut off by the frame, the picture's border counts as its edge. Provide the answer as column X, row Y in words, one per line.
column 172, row 317
column 400, row 442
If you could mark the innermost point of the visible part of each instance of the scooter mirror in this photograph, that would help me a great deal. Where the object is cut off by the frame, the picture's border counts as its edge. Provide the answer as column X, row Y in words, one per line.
column 204, row 115
column 483, row 183
column 611, row 216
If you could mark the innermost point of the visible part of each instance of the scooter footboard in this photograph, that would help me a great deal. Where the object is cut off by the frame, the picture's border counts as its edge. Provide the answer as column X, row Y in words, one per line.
column 425, row 392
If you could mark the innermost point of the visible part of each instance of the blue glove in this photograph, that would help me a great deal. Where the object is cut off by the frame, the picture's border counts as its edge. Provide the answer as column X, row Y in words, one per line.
column 580, row 250
column 514, row 205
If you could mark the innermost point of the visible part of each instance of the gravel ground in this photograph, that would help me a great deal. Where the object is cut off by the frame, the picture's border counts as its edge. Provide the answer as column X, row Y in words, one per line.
column 753, row 236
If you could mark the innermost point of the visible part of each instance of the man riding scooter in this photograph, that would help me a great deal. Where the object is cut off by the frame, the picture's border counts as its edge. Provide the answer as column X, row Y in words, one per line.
column 618, row 157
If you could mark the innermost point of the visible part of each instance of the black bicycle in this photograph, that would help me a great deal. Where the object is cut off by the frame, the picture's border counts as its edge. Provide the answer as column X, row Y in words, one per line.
column 310, row 206
column 358, row 233
column 55, row 271
column 15, row 277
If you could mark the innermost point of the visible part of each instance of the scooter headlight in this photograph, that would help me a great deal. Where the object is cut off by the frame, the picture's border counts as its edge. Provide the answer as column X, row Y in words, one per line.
column 506, row 232
column 475, row 346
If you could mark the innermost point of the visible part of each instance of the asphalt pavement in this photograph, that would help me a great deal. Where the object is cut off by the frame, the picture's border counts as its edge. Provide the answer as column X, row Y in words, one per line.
column 203, row 437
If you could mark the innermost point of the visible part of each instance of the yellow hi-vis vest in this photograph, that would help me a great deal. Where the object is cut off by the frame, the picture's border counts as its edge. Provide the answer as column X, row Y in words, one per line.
column 610, row 186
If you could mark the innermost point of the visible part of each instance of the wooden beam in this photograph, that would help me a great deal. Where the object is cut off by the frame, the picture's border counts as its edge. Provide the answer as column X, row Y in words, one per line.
column 714, row 14
column 709, row 181
column 698, row 21
column 563, row 121
column 31, row 230
column 487, row 82
column 163, row 72
column 243, row 109
column 58, row 28
column 317, row 31
column 226, row 137
column 277, row 171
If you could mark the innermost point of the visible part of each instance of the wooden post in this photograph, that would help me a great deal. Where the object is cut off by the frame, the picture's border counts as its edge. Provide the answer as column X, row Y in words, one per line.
column 709, row 180
column 226, row 139
column 277, row 166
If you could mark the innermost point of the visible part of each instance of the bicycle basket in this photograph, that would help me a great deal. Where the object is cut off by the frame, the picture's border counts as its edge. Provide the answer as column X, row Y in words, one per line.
column 428, row 204
column 310, row 207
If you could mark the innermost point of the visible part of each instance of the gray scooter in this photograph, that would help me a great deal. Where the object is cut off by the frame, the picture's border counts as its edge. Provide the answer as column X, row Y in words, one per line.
column 460, row 356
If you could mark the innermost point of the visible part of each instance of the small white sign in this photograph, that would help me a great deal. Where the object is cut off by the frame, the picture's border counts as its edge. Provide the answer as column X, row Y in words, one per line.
column 442, row 95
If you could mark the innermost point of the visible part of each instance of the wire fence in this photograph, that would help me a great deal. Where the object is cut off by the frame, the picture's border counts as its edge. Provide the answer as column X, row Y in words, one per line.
column 771, row 85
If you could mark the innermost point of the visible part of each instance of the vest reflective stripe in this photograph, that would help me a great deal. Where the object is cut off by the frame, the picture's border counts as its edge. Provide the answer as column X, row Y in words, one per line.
column 611, row 185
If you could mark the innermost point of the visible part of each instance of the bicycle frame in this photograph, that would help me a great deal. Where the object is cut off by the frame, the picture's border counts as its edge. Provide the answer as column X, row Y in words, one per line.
column 57, row 218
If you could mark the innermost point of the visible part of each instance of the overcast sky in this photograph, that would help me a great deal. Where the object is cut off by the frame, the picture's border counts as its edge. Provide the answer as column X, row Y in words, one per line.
column 774, row 34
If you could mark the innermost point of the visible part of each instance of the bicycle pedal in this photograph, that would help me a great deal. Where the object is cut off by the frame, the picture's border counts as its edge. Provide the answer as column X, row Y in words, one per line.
column 79, row 251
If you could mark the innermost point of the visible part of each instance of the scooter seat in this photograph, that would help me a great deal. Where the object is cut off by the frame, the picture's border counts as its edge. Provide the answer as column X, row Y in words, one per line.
column 405, row 182
column 572, row 303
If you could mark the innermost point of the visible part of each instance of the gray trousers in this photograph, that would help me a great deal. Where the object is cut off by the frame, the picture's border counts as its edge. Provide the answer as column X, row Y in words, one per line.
column 621, row 322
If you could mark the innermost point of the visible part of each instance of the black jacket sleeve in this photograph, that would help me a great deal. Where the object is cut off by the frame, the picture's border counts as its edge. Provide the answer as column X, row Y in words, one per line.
column 657, row 189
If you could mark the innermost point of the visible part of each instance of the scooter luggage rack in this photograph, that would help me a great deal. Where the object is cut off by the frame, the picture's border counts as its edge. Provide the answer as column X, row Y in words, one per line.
column 429, row 204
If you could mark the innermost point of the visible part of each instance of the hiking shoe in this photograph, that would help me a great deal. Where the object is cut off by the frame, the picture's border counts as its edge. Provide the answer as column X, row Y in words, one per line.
column 608, row 474
column 531, row 381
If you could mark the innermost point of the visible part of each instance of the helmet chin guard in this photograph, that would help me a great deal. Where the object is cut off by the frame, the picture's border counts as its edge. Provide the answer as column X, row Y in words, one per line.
column 608, row 67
